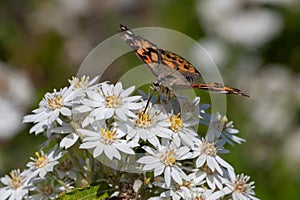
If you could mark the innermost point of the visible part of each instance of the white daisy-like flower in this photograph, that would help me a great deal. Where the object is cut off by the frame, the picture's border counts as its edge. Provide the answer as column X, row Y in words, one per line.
column 84, row 83
column 107, row 141
column 221, row 130
column 207, row 153
column 81, row 86
column 192, row 189
column 182, row 131
column 164, row 160
column 175, row 190
column 50, row 108
column 44, row 163
column 147, row 125
column 16, row 187
column 229, row 133
column 205, row 175
column 45, row 191
column 110, row 101
column 240, row 188
column 202, row 193
column 190, row 109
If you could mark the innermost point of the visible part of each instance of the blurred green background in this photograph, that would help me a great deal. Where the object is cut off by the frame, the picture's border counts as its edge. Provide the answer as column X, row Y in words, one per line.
column 255, row 44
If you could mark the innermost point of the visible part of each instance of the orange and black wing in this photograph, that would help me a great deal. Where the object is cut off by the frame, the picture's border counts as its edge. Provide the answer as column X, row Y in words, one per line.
column 163, row 63
column 144, row 49
column 156, row 58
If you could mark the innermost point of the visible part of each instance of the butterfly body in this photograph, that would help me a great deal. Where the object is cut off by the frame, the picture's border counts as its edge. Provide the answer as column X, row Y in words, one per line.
column 172, row 70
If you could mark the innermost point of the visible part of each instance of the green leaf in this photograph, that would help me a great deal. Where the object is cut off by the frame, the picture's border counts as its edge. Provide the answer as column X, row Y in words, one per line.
column 97, row 191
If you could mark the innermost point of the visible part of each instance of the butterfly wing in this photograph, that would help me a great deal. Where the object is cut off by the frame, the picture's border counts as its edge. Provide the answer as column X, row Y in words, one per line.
column 172, row 70
column 157, row 58
column 144, row 49
column 178, row 63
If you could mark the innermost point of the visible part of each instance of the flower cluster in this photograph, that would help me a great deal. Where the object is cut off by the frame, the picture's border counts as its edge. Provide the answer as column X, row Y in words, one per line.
column 94, row 129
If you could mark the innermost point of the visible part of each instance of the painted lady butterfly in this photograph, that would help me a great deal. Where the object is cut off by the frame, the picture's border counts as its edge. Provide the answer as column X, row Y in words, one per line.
column 172, row 71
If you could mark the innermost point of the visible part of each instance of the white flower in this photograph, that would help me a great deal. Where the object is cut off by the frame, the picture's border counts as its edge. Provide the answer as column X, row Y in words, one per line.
column 81, row 86
column 110, row 101
column 189, row 190
column 16, row 186
column 190, row 109
column 45, row 191
column 205, row 175
column 147, row 125
column 175, row 190
column 182, row 132
column 50, row 108
column 228, row 134
column 44, row 163
column 164, row 160
column 201, row 193
column 239, row 188
column 106, row 140
column 221, row 130
column 207, row 153
column 84, row 83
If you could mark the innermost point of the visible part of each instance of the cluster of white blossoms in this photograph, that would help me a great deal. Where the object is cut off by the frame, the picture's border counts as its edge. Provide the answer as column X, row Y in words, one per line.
column 88, row 122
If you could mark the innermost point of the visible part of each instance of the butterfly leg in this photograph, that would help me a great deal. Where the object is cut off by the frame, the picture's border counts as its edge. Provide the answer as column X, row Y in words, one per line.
column 149, row 98
column 219, row 87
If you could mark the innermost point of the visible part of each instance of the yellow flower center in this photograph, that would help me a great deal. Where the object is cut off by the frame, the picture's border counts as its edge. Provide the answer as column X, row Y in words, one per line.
column 240, row 187
column 56, row 102
column 240, row 184
column 17, row 179
column 177, row 124
column 168, row 157
column 80, row 83
column 199, row 197
column 108, row 137
column 41, row 160
column 144, row 120
column 112, row 101
column 224, row 120
column 209, row 148
column 185, row 183
column 207, row 170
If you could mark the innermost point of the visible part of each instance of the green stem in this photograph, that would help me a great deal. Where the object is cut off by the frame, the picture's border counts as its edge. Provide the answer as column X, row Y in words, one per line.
column 89, row 166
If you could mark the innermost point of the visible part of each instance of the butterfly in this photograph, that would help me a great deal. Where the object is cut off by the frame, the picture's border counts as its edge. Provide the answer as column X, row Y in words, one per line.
column 172, row 70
